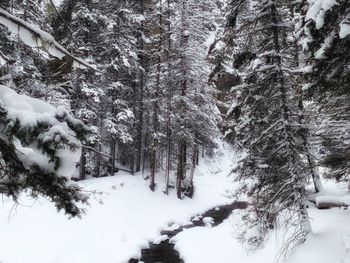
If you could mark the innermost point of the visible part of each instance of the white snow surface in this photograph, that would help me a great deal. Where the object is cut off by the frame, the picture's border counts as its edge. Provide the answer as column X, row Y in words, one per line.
column 329, row 242
column 113, row 232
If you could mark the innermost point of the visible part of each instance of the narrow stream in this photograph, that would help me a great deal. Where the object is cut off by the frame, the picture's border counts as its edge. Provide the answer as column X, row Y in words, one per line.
column 164, row 252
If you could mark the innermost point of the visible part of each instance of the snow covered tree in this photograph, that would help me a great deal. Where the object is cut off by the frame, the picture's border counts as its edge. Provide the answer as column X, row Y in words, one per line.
column 264, row 119
column 39, row 150
column 105, row 99
column 193, row 96
column 325, row 37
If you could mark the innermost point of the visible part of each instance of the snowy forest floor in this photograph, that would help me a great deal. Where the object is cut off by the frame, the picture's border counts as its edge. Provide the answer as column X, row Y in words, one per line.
column 131, row 216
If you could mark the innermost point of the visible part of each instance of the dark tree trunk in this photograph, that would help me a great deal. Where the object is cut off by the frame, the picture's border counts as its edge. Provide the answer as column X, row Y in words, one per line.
column 113, row 157
column 82, row 170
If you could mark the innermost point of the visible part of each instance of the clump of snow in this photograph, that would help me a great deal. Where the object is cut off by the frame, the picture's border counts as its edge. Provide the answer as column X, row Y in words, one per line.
column 345, row 27
column 208, row 221
column 320, row 54
column 30, row 112
column 160, row 239
column 318, row 11
column 197, row 218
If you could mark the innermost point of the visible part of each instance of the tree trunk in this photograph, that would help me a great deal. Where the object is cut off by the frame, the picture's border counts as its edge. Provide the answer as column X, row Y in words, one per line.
column 82, row 170
column 139, row 147
column 168, row 129
column 98, row 162
column 194, row 160
column 179, row 173
column 113, row 157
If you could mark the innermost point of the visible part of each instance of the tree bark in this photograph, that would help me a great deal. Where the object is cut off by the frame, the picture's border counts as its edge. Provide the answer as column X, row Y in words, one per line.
column 113, row 157
column 82, row 170
column 193, row 167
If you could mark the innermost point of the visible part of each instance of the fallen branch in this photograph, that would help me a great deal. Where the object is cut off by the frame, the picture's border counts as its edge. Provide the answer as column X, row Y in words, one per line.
column 326, row 202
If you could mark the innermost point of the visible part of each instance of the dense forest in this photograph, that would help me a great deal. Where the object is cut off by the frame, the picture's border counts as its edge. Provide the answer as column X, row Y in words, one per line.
column 152, row 88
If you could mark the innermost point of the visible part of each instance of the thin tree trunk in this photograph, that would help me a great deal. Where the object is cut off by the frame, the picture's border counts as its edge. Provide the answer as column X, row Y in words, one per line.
column 98, row 162
column 168, row 129
column 179, row 173
column 82, row 170
column 139, row 150
column 113, row 157
column 194, row 160
column 184, row 162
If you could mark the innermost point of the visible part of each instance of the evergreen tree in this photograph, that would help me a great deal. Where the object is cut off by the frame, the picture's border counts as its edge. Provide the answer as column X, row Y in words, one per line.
column 38, row 151
column 325, row 39
column 263, row 117
column 193, row 97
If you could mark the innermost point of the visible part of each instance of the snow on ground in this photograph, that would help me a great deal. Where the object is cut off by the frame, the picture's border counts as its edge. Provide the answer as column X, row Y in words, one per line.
column 217, row 244
column 131, row 216
column 112, row 232
column 330, row 242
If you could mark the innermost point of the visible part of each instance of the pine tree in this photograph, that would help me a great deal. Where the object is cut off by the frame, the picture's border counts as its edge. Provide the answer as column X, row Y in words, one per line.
column 325, row 39
column 193, row 97
column 38, row 151
column 263, row 117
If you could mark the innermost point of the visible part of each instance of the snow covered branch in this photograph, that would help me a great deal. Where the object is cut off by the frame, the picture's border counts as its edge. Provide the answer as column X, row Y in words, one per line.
column 34, row 37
